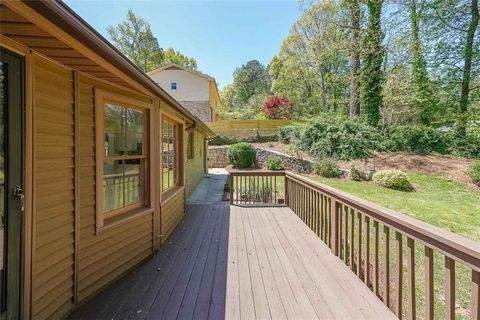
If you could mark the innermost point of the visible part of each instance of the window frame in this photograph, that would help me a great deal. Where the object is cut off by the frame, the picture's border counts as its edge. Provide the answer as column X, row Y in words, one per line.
column 101, row 99
column 190, row 144
column 179, row 157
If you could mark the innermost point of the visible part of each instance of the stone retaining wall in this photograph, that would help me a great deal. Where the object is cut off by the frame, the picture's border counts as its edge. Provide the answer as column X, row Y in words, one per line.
column 217, row 158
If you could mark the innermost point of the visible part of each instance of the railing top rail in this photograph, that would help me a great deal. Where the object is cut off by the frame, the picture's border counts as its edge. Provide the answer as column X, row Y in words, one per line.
column 453, row 245
column 257, row 173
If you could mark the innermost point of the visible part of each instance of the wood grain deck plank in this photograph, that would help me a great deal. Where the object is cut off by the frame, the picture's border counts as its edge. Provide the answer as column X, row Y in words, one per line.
column 232, row 300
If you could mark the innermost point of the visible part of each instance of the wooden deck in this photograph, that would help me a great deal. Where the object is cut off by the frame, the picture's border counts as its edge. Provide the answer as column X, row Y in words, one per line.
column 239, row 263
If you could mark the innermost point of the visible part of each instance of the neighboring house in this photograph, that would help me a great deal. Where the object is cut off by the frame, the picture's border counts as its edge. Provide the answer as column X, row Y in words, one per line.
column 196, row 91
column 104, row 156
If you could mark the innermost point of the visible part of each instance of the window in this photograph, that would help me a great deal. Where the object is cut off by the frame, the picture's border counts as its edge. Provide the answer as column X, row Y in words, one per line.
column 173, row 85
column 190, row 145
column 124, row 158
column 170, row 130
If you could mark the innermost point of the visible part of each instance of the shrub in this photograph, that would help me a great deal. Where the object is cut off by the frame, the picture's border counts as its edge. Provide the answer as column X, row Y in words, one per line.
column 358, row 174
column 242, row 155
column 220, row 140
column 278, row 108
column 338, row 138
column 274, row 163
column 465, row 144
column 285, row 134
column 392, row 179
column 327, row 169
column 474, row 172
column 417, row 139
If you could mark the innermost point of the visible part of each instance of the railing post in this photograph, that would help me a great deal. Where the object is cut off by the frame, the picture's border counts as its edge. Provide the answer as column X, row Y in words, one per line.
column 287, row 201
column 335, row 219
column 231, row 187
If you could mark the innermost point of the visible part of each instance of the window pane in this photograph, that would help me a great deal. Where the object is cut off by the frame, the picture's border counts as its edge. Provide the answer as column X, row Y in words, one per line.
column 135, row 124
column 175, row 153
column 132, row 181
column 113, row 184
column 114, row 130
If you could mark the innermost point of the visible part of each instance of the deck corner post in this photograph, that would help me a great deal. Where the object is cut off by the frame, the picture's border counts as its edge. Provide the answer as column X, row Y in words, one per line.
column 287, row 202
column 335, row 235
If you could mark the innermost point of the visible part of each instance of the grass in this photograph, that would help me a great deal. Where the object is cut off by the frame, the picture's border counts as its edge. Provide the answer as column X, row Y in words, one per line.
column 437, row 201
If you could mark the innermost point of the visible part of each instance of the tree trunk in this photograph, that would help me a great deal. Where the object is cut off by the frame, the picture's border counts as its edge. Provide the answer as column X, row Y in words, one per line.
column 355, row 60
column 468, row 57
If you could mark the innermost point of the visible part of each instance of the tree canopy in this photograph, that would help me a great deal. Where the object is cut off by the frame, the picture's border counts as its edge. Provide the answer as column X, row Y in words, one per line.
column 135, row 39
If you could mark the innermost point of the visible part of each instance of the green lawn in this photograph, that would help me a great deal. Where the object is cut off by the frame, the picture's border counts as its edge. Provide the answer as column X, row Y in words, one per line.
column 440, row 202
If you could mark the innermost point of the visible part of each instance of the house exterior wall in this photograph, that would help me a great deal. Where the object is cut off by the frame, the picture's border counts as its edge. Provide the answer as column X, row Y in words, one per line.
column 195, row 168
column 190, row 87
column 70, row 259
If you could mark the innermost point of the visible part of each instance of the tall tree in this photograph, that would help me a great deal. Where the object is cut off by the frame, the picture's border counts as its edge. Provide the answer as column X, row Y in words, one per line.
column 249, row 80
column 423, row 101
column 468, row 54
column 134, row 38
column 355, row 59
column 372, row 72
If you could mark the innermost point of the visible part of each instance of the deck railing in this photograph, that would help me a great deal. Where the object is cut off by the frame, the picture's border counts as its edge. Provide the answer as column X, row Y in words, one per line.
column 257, row 187
column 371, row 240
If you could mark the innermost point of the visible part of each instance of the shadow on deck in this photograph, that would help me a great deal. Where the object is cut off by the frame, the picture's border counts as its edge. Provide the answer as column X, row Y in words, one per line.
column 239, row 262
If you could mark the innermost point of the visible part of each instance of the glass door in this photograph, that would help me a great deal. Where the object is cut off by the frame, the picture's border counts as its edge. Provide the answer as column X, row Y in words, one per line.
column 11, row 193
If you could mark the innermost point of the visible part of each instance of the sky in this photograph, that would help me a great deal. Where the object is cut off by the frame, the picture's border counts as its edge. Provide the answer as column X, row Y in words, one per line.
column 220, row 35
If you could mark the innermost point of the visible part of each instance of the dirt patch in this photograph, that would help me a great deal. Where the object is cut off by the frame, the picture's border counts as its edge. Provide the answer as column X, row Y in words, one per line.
column 439, row 165
column 284, row 148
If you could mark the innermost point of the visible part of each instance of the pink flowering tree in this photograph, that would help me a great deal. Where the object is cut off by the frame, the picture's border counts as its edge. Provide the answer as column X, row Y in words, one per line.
column 278, row 108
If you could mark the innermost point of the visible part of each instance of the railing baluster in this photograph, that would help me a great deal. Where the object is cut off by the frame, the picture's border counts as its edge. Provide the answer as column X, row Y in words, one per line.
column 345, row 240
column 375, row 257
column 449, row 288
column 359, row 243
column 412, row 312
column 366, row 275
column 340, row 230
column 399, row 274
column 429, row 304
column 386, row 265
column 352, row 239
column 475, row 295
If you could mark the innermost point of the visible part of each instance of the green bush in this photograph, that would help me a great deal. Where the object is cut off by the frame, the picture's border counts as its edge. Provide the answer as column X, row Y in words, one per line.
column 417, row 139
column 327, row 169
column 242, row 155
column 220, row 140
column 274, row 163
column 465, row 145
column 392, row 179
column 285, row 133
column 337, row 137
column 474, row 172
column 358, row 174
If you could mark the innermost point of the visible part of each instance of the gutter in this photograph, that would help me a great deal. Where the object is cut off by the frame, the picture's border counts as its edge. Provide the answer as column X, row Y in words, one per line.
column 69, row 21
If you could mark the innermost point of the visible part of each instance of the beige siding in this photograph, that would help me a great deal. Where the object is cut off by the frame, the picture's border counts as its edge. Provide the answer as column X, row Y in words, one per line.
column 195, row 168
column 172, row 211
column 190, row 87
column 53, row 259
column 107, row 255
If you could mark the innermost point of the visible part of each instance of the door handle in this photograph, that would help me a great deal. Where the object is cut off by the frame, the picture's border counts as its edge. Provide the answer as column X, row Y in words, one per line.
column 18, row 192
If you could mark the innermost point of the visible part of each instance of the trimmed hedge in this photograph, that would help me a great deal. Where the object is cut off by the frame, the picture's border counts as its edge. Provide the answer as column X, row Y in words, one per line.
column 242, row 155
column 392, row 179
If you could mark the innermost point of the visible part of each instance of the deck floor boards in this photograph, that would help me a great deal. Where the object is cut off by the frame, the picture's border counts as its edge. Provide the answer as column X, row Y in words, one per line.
column 233, row 262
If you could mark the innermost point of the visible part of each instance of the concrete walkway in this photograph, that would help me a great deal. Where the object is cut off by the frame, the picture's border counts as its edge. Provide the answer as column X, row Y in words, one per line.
column 211, row 187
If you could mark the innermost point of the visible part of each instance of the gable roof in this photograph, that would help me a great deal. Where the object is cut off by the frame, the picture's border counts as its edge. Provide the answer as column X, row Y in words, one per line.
column 174, row 66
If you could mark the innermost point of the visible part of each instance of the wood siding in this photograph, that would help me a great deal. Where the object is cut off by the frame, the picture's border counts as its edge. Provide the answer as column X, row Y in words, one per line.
column 53, row 257
column 173, row 210
column 105, row 256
